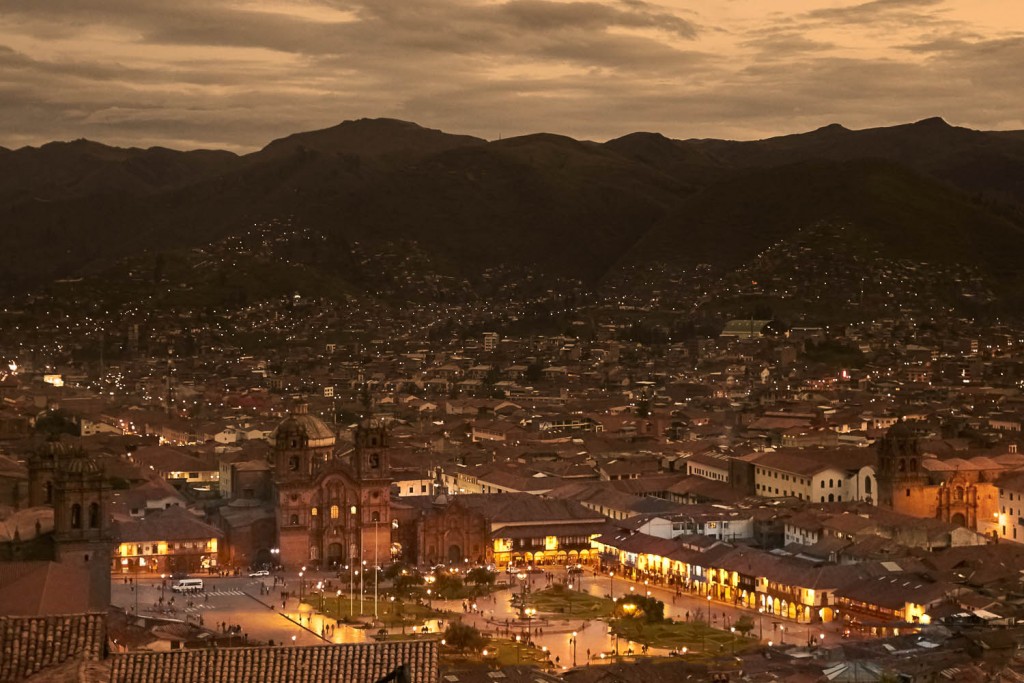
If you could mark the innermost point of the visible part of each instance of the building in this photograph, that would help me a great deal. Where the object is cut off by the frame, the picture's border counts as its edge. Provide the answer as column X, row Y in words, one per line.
column 166, row 541
column 823, row 478
column 915, row 482
column 332, row 509
column 67, row 521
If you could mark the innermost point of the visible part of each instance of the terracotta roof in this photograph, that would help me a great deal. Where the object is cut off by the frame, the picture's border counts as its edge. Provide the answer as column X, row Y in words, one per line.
column 171, row 524
column 29, row 645
column 42, row 588
column 351, row 663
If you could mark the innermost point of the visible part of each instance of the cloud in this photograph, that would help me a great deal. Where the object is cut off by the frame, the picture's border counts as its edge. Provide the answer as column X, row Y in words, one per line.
column 237, row 74
column 877, row 10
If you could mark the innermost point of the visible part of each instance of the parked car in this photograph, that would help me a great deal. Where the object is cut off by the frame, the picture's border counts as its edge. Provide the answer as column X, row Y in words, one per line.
column 260, row 572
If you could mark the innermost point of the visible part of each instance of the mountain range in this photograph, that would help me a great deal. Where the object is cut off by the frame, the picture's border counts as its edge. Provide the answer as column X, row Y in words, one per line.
column 925, row 191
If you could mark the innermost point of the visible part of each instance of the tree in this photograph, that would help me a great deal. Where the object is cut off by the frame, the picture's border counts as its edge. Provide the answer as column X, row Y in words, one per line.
column 646, row 609
column 448, row 586
column 481, row 576
column 463, row 637
column 744, row 624
column 53, row 423
column 404, row 583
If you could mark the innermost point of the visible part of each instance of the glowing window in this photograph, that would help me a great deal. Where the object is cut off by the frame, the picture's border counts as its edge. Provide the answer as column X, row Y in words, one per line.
column 335, row 512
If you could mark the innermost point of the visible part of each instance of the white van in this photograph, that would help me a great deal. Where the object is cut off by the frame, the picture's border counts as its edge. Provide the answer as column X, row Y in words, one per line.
column 188, row 586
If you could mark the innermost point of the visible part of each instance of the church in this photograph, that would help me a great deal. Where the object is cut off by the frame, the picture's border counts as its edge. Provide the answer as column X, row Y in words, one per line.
column 914, row 481
column 63, row 532
column 333, row 509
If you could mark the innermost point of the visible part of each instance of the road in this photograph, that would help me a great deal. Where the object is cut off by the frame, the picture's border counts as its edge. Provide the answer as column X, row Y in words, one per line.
column 231, row 601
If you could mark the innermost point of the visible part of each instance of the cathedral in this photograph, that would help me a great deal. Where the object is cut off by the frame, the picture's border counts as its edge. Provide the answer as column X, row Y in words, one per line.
column 67, row 520
column 332, row 509
column 915, row 482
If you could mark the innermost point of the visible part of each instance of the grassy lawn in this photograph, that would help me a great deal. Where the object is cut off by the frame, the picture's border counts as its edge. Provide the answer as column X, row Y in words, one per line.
column 569, row 603
column 391, row 613
column 695, row 636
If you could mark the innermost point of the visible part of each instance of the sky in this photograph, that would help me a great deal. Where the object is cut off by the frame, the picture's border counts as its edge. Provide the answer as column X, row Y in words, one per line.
column 236, row 74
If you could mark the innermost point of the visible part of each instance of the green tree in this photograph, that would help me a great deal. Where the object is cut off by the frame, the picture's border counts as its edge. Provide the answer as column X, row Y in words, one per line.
column 448, row 587
column 481, row 576
column 463, row 637
column 744, row 624
column 646, row 609
column 53, row 423
column 405, row 583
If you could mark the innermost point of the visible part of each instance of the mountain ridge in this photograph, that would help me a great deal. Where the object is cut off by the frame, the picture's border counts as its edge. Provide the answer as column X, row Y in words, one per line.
column 573, row 208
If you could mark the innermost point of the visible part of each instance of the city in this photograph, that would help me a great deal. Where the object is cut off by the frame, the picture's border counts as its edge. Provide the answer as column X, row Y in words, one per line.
column 511, row 341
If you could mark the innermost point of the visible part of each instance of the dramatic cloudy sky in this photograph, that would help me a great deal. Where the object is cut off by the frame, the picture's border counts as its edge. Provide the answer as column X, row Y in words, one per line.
column 237, row 73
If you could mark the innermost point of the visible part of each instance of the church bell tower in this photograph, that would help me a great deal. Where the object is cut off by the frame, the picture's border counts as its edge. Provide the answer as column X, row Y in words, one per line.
column 81, row 521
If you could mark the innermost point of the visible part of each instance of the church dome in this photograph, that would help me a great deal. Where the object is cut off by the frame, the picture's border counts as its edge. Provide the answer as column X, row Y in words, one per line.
column 82, row 465
column 304, row 430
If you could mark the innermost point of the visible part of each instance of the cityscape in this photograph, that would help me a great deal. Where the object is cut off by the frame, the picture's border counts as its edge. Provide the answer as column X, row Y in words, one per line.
column 524, row 341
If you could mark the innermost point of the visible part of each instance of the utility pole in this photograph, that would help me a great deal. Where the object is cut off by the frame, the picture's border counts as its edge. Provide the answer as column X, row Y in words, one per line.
column 376, row 567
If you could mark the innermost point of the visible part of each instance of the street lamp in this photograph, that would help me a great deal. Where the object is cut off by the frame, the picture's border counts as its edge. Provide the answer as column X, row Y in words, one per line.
column 573, row 641
column 138, row 570
column 362, row 585
column 351, row 591
column 522, row 593
column 611, row 584
column 760, row 624
column 518, row 639
column 301, row 584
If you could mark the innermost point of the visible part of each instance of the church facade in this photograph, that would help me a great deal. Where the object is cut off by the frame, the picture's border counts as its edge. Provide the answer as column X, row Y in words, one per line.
column 915, row 482
column 332, row 509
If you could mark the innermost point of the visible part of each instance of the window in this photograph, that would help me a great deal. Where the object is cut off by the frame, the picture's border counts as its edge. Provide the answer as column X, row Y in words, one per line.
column 375, row 517
column 423, row 488
column 76, row 516
column 294, row 520
column 314, row 512
column 822, row 483
column 94, row 515
column 335, row 512
column 293, row 463
column 908, row 493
